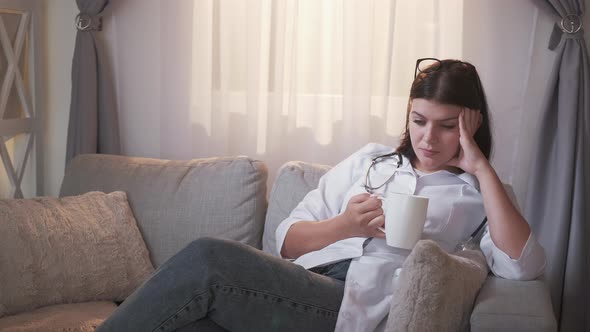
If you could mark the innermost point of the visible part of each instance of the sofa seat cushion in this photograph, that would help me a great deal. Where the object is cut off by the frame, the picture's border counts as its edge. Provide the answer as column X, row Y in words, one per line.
column 69, row 250
column 77, row 317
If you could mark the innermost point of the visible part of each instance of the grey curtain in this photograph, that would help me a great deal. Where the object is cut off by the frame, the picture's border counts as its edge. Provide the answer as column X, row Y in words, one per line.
column 558, row 201
column 93, row 125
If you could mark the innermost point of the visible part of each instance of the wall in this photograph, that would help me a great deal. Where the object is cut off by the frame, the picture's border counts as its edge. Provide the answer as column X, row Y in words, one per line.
column 57, row 48
column 510, row 47
column 498, row 42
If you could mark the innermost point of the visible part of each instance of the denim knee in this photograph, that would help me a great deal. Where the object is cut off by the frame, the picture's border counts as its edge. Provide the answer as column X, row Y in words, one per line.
column 204, row 243
column 207, row 253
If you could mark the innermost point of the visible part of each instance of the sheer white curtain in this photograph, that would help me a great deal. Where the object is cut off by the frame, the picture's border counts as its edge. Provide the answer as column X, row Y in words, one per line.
column 277, row 80
column 306, row 79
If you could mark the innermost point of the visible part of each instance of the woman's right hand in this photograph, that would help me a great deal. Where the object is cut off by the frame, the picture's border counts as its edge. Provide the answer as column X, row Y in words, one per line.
column 363, row 216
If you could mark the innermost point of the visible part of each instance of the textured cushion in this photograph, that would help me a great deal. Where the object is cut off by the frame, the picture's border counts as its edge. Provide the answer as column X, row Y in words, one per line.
column 435, row 291
column 176, row 202
column 75, row 249
column 79, row 317
column 294, row 180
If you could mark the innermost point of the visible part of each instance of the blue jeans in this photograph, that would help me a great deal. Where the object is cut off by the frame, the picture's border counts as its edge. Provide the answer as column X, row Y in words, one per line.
column 218, row 285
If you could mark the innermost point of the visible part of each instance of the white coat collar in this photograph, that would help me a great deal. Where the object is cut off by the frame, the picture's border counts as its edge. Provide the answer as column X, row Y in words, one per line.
column 465, row 177
column 407, row 167
column 469, row 179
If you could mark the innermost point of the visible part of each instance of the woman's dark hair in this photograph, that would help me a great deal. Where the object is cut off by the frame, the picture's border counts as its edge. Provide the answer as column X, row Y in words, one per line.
column 451, row 82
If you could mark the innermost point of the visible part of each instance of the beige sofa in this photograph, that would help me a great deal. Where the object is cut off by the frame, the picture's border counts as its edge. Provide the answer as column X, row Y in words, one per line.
column 175, row 202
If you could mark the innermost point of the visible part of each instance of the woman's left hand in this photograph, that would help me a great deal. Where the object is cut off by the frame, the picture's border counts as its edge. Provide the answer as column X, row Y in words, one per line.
column 469, row 157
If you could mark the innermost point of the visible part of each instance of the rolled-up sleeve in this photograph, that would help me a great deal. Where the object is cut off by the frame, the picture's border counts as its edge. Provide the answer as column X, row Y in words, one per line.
column 327, row 199
column 530, row 265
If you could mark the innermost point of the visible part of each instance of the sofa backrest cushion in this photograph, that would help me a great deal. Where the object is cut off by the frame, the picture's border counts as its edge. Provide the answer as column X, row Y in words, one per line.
column 294, row 180
column 176, row 202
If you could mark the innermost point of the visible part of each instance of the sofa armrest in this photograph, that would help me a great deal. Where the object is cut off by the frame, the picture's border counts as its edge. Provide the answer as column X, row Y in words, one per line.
column 510, row 305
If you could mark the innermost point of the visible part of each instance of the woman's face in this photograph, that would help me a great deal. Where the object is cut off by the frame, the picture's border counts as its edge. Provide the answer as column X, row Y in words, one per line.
column 434, row 132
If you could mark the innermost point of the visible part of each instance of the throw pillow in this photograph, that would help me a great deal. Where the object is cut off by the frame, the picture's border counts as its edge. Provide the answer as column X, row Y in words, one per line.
column 436, row 290
column 68, row 250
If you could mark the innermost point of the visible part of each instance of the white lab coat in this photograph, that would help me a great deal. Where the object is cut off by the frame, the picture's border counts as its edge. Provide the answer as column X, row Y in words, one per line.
column 455, row 210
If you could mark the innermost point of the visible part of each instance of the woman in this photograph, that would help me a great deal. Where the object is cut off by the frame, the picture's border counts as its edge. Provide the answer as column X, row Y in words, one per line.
column 342, row 274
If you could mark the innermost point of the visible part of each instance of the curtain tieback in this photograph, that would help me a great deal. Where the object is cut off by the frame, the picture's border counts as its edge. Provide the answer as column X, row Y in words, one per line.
column 570, row 25
column 87, row 22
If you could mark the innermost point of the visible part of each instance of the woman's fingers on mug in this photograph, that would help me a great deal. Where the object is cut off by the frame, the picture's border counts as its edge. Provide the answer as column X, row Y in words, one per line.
column 371, row 204
column 357, row 204
column 359, row 198
column 379, row 234
column 371, row 215
column 376, row 225
column 378, row 221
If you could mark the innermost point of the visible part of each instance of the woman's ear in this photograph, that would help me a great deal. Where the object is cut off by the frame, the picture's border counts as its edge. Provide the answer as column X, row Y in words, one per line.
column 480, row 120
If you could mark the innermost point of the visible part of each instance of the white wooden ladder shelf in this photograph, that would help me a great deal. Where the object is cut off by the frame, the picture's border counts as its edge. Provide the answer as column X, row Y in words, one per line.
column 16, row 113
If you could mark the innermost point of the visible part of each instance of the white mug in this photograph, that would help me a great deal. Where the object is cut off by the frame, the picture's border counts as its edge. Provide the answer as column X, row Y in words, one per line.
column 405, row 216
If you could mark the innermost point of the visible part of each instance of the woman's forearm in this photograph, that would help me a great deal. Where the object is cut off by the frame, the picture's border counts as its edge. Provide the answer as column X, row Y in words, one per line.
column 363, row 217
column 308, row 236
column 508, row 228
